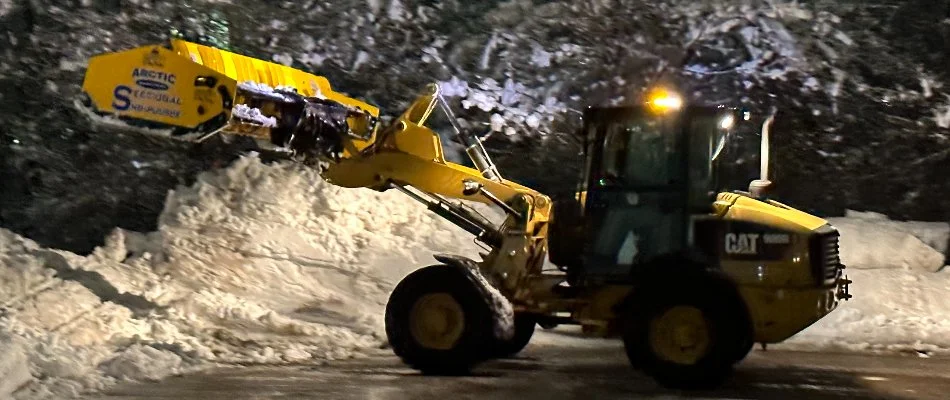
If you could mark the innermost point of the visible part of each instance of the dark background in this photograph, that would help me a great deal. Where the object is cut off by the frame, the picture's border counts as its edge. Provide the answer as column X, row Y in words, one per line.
column 858, row 84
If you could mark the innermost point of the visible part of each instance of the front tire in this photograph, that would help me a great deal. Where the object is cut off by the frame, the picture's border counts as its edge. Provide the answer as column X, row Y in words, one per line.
column 524, row 330
column 439, row 322
column 685, row 339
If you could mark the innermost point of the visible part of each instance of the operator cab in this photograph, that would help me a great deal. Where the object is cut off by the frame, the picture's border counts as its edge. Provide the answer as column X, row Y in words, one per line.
column 649, row 169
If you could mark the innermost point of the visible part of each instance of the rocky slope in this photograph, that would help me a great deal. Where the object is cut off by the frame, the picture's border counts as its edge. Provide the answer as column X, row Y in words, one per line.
column 859, row 84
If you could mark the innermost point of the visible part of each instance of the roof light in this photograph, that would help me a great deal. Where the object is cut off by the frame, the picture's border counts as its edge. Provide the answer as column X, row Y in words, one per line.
column 662, row 100
column 727, row 122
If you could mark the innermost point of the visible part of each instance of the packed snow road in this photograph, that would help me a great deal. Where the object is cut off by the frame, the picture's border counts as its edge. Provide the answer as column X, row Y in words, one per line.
column 558, row 367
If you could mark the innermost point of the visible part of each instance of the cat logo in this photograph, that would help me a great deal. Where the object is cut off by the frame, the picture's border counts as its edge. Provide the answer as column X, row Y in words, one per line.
column 154, row 58
column 742, row 243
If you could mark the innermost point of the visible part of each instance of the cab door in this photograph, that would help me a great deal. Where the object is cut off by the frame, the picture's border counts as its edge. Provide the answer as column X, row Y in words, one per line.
column 637, row 193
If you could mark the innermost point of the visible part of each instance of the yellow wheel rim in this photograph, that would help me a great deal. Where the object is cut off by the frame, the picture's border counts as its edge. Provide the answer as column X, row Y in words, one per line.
column 436, row 321
column 680, row 335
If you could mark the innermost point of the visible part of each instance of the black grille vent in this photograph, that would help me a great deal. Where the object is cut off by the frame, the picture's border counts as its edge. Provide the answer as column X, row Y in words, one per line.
column 824, row 254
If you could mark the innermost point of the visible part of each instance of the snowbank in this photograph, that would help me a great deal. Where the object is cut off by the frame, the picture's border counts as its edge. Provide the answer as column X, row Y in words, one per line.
column 252, row 264
column 901, row 299
column 870, row 240
column 892, row 310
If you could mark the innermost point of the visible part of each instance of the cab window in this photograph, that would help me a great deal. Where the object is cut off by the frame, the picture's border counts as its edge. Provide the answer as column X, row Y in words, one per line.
column 641, row 153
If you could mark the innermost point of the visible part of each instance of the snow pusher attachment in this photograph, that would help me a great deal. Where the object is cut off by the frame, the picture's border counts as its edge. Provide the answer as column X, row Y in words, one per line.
column 194, row 89
column 312, row 128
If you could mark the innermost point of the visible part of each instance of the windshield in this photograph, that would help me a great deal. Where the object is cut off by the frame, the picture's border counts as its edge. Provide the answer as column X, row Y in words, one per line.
column 710, row 135
column 641, row 152
column 639, row 149
column 713, row 133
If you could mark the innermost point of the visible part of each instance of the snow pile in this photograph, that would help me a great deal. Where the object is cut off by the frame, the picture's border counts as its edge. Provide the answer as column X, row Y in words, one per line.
column 900, row 292
column 892, row 310
column 870, row 240
column 14, row 366
column 252, row 264
column 63, row 327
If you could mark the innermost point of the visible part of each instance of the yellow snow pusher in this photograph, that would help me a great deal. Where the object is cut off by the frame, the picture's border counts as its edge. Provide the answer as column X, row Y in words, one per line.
column 651, row 249
column 194, row 90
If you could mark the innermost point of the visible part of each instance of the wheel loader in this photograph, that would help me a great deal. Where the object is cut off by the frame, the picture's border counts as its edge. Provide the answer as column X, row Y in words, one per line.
column 648, row 251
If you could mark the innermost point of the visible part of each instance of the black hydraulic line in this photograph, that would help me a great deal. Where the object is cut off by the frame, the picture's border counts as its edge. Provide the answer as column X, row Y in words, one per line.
column 472, row 187
column 498, row 201
column 471, row 223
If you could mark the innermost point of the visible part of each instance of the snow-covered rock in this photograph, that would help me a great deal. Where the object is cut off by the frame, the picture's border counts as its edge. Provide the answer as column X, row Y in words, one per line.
column 933, row 234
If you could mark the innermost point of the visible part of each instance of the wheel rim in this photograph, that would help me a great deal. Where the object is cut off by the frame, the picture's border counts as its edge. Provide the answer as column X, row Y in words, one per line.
column 680, row 335
column 436, row 321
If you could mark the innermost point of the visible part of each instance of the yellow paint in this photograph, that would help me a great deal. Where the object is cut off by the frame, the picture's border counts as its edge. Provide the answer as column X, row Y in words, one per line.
column 751, row 210
column 112, row 72
column 680, row 335
column 419, row 142
column 243, row 68
column 784, row 300
column 111, row 84
column 779, row 313
column 436, row 321
column 412, row 154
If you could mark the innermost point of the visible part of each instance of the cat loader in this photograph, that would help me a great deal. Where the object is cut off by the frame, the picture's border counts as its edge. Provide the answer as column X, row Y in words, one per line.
column 649, row 251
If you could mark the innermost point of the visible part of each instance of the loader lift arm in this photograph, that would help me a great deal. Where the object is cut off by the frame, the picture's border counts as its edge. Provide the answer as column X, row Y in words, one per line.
column 408, row 155
column 200, row 92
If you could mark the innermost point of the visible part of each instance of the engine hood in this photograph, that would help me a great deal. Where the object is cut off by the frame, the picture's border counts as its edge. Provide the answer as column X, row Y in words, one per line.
column 741, row 207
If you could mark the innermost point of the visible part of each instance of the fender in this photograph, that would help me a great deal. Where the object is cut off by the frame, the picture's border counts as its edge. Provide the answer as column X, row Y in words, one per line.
column 690, row 276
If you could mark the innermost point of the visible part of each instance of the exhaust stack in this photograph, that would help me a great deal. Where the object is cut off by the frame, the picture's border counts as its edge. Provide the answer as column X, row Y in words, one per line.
column 759, row 188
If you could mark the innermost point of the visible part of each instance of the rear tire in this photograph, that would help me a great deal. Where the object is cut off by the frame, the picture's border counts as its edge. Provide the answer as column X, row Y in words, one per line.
column 685, row 339
column 438, row 321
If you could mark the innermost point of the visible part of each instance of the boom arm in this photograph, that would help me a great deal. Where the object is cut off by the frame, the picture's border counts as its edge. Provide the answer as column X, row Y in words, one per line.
column 193, row 87
column 408, row 156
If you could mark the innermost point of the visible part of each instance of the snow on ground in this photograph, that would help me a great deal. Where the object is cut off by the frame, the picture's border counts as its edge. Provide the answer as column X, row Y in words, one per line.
column 892, row 310
column 269, row 264
column 252, row 264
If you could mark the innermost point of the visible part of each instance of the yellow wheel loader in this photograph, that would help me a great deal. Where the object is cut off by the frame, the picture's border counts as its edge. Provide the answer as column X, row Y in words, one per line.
column 648, row 251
